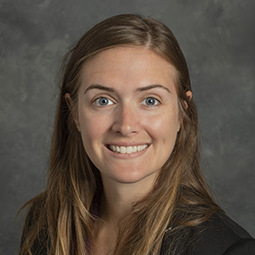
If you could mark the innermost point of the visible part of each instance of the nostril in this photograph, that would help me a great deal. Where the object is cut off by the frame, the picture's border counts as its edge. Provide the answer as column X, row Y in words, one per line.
column 126, row 121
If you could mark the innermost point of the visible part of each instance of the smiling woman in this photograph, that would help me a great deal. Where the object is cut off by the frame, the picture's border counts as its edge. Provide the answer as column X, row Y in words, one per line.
column 131, row 115
column 124, row 174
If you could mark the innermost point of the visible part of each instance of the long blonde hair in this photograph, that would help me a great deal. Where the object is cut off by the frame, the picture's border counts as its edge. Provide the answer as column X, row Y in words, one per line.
column 60, row 220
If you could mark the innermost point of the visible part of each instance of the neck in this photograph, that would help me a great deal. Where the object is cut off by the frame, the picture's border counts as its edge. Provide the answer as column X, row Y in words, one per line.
column 118, row 198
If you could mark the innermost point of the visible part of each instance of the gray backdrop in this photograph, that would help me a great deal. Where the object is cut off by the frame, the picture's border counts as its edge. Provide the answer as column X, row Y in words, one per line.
column 218, row 39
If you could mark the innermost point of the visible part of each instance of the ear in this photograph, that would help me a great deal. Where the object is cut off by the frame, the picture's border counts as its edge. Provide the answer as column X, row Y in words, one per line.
column 189, row 96
column 70, row 104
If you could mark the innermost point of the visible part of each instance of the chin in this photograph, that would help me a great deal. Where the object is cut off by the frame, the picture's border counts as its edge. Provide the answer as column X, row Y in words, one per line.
column 135, row 178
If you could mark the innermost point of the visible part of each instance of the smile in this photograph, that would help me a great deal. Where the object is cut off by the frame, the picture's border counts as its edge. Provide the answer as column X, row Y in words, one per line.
column 127, row 149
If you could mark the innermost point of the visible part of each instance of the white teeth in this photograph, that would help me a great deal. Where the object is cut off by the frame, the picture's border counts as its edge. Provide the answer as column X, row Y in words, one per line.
column 128, row 150
column 122, row 149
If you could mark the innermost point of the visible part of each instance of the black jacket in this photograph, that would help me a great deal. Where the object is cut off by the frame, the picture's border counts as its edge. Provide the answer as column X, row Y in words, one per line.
column 217, row 236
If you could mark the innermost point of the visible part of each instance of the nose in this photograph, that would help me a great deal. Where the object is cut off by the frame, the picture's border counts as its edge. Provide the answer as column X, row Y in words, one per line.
column 126, row 121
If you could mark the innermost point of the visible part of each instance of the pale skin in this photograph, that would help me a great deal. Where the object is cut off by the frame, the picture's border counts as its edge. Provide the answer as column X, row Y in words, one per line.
column 128, row 117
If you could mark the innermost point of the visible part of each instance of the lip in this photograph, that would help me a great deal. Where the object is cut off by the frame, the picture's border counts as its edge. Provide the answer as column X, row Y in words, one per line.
column 127, row 155
column 126, row 144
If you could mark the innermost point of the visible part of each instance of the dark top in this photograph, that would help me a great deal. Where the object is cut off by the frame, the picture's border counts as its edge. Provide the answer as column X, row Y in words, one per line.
column 218, row 236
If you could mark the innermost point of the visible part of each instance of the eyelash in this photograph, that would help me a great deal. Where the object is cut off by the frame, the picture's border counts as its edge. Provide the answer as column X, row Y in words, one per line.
column 151, row 98
column 96, row 101
column 110, row 102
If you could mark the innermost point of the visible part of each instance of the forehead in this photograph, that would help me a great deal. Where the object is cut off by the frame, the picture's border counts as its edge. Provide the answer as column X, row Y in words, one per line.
column 131, row 65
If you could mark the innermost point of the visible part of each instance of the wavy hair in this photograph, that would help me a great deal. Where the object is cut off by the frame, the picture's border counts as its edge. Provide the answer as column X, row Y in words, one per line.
column 60, row 220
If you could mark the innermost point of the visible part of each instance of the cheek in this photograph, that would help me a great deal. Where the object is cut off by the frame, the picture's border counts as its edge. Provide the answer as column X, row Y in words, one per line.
column 92, row 128
column 164, row 126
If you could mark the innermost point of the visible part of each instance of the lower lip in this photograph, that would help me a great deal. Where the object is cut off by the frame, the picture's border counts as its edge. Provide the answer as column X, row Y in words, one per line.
column 128, row 155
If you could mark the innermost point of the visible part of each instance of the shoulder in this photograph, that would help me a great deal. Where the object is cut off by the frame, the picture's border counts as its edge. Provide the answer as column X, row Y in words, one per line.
column 34, row 234
column 35, row 209
column 219, row 235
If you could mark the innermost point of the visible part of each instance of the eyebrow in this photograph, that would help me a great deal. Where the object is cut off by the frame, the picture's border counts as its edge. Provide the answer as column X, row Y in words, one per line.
column 154, row 86
column 98, row 86
column 102, row 87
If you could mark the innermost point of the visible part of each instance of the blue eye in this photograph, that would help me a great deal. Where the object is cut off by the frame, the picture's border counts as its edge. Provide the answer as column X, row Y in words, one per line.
column 150, row 101
column 103, row 101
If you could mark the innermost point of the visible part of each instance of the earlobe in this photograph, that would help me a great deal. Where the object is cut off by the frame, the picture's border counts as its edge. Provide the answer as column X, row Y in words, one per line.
column 189, row 96
column 179, row 126
column 69, row 103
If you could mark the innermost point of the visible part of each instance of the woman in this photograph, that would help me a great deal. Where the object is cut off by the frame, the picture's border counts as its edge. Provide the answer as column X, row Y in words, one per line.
column 124, row 174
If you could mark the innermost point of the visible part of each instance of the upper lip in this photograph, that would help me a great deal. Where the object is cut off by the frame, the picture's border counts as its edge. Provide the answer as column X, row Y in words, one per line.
column 125, row 144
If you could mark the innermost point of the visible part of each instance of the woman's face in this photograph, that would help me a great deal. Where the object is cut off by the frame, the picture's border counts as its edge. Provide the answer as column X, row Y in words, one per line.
column 128, row 113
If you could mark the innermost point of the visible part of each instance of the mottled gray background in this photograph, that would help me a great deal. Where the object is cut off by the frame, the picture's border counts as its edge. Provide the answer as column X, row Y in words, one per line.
column 218, row 39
